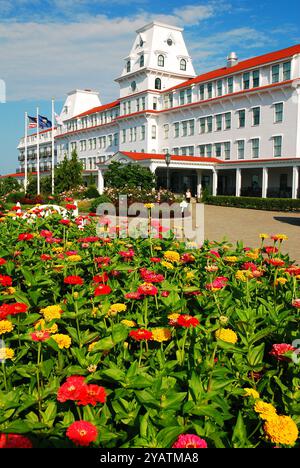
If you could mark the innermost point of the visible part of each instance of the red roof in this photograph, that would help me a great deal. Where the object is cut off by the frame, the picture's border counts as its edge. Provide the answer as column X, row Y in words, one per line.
column 241, row 66
column 110, row 105
column 146, row 156
column 20, row 174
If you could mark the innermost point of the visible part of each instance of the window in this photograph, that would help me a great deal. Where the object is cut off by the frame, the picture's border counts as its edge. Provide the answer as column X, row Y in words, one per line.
column 189, row 96
column 166, row 131
column 256, row 115
column 286, row 71
column 129, row 107
column 228, row 121
column 128, row 66
column 275, row 73
column 137, row 105
column 175, row 151
column 183, row 65
column 116, row 139
column 155, row 103
column 218, row 122
column 176, row 129
column 209, row 124
column 202, row 125
column 153, row 132
column 277, row 146
column 134, row 133
column 191, row 125
column 143, row 103
column 161, row 61
column 124, row 108
column 255, row 148
column 182, row 97
column 142, row 60
column 133, row 86
column 169, row 41
column 230, row 84
column 170, row 100
column 110, row 140
column 218, row 149
column 219, row 87
column 255, row 78
column 202, row 151
column 278, row 112
column 157, row 83
column 246, row 80
column 143, row 132
column 123, row 135
column 184, row 128
column 227, row 150
column 241, row 149
column 201, row 90
column 242, row 118
column 90, row 144
column 208, row 151
column 209, row 90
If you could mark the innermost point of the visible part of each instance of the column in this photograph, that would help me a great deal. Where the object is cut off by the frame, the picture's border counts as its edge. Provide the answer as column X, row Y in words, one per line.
column 215, row 183
column 265, row 182
column 100, row 181
column 295, row 182
column 199, row 183
column 238, row 182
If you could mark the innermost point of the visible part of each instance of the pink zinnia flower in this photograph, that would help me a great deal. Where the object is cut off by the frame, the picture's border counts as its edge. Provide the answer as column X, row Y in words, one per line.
column 279, row 351
column 189, row 441
column 296, row 303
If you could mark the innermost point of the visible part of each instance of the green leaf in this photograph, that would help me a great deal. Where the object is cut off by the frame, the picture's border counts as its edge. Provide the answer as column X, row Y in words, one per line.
column 50, row 413
column 255, row 355
column 239, row 436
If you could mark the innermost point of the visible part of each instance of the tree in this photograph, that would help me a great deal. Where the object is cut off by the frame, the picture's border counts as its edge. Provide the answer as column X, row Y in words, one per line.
column 129, row 175
column 68, row 173
column 8, row 184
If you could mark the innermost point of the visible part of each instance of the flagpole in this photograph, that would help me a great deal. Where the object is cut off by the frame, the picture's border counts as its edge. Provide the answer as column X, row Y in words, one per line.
column 26, row 173
column 38, row 152
column 52, row 165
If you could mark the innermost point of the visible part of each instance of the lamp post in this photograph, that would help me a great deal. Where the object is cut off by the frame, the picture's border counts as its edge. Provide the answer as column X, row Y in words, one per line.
column 168, row 161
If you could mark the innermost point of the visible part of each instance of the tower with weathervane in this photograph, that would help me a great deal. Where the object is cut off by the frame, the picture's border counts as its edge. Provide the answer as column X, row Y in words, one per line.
column 157, row 61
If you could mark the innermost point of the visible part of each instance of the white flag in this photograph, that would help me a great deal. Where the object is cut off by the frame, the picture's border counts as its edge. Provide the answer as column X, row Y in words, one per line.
column 58, row 119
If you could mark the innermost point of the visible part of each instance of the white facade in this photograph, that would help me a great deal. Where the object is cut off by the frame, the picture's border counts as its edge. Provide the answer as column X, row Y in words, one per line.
column 243, row 119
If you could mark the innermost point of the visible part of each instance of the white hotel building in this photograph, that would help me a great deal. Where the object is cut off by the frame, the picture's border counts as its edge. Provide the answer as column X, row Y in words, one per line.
column 235, row 130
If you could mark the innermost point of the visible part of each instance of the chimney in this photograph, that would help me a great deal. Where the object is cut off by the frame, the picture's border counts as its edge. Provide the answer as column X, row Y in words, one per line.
column 232, row 60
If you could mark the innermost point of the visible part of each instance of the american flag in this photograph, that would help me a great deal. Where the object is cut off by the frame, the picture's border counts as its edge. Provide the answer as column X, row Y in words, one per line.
column 32, row 122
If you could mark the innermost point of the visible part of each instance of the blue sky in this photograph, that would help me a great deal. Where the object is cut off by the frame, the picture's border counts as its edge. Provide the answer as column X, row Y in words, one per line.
column 48, row 48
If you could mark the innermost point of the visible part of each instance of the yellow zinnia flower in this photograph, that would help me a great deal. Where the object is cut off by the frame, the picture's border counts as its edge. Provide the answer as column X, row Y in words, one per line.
column 149, row 205
column 265, row 410
column 41, row 325
column 161, row 334
column 281, row 430
column 264, row 236
column 167, row 265
column 63, row 341
column 227, row 335
column 92, row 346
column 280, row 281
column 116, row 308
column 172, row 256
column 129, row 323
column 251, row 393
column 5, row 326
column 6, row 353
column 231, row 259
column 58, row 249
column 51, row 313
column 9, row 291
column 190, row 275
column 74, row 258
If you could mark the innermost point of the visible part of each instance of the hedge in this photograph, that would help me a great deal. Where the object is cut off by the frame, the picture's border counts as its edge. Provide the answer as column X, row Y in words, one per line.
column 268, row 204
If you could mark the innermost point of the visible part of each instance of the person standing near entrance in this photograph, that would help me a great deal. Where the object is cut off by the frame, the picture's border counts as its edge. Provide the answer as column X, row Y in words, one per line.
column 188, row 195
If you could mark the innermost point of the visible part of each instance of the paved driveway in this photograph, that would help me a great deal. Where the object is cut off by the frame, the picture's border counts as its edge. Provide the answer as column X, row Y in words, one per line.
column 242, row 224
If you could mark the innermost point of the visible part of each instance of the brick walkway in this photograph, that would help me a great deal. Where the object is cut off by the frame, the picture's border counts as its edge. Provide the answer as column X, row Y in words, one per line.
column 242, row 224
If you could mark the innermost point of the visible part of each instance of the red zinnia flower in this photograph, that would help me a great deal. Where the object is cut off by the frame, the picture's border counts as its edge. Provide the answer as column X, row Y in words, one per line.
column 147, row 289
column 187, row 258
column 151, row 276
column 73, row 280
column 270, row 250
column 91, row 395
column 40, row 335
column 5, row 310
column 65, row 222
column 276, row 262
column 45, row 233
column 70, row 206
column 155, row 259
column 102, row 261
column 296, row 303
column 82, row 433
column 102, row 289
column 165, row 293
column 2, row 261
column 187, row 321
column 133, row 295
column 45, row 257
column 69, row 199
column 5, row 280
column 101, row 278
column 71, row 389
column 249, row 266
column 293, row 270
column 25, row 237
column 127, row 255
column 141, row 334
column 189, row 441
column 18, row 308
column 279, row 351
column 8, row 441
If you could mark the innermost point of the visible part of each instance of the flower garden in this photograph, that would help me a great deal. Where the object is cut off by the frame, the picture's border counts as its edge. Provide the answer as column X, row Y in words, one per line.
column 110, row 342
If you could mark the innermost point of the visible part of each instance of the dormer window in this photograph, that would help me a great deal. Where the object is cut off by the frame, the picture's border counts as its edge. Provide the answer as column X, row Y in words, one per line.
column 157, row 84
column 161, row 61
column 142, row 60
column 128, row 66
column 169, row 42
column 183, row 65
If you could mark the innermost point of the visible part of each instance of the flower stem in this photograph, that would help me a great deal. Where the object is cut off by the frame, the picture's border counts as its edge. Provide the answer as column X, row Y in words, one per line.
column 4, row 376
column 38, row 379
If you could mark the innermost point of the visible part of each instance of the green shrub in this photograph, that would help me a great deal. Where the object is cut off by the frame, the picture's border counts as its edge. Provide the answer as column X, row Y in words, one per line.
column 15, row 197
column 268, row 204
column 92, row 192
column 97, row 201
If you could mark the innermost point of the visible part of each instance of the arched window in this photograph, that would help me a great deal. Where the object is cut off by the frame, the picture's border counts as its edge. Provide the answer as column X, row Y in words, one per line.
column 161, row 61
column 128, row 66
column 183, row 65
column 142, row 60
column 157, row 83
